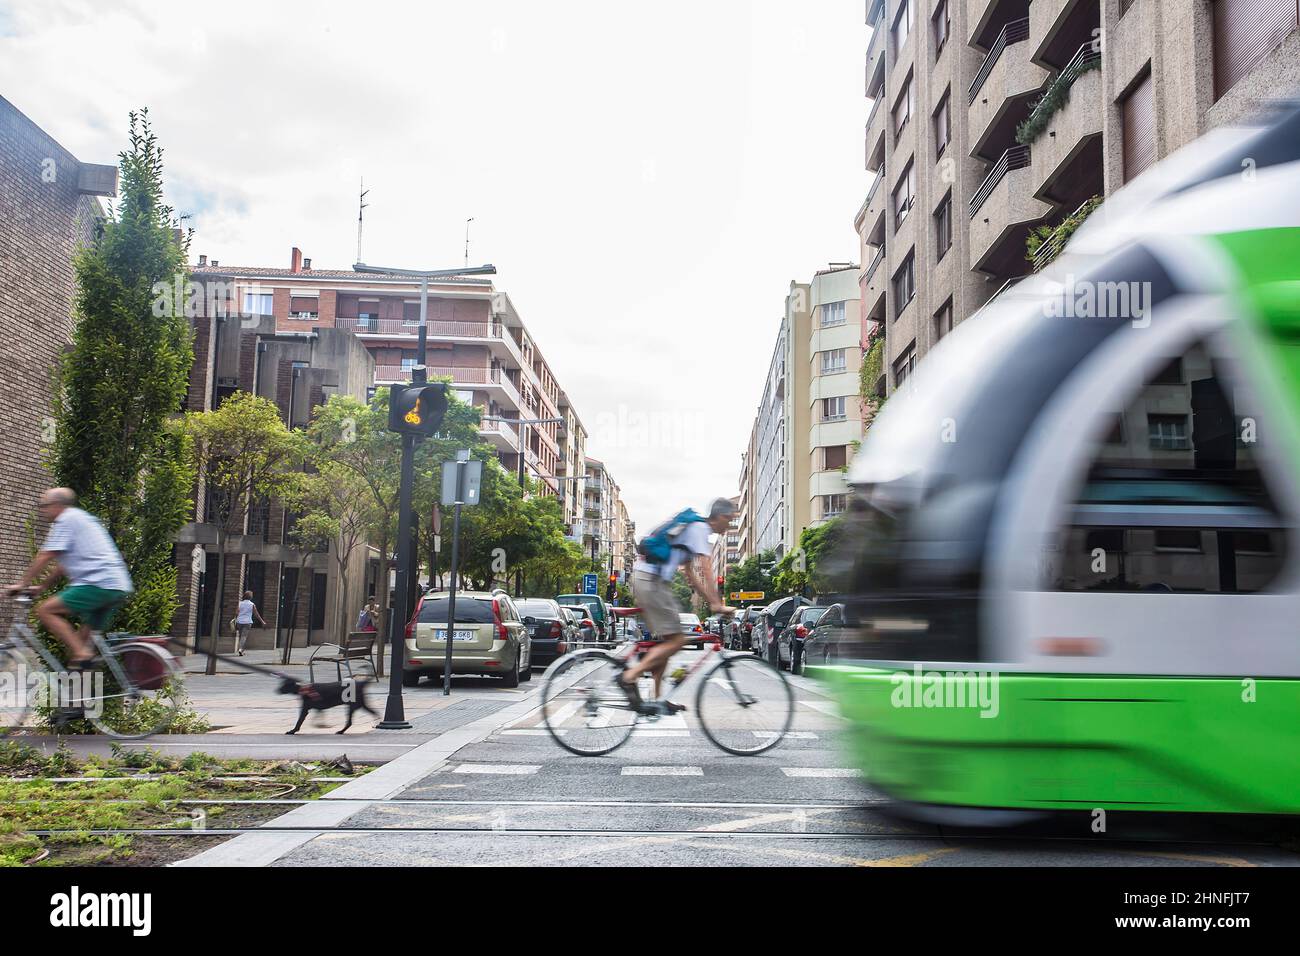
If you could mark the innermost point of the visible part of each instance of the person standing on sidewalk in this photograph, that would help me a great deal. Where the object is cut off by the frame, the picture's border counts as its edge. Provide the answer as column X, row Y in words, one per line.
column 244, row 621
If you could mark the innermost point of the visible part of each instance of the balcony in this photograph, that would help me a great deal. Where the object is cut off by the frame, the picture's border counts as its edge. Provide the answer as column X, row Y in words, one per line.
column 1001, row 212
column 1000, row 92
column 1066, row 131
column 502, row 435
column 493, row 334
column 1059, row 26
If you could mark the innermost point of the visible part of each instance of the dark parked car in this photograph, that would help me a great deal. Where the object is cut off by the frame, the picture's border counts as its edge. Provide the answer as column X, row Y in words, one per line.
column 587, row 630
column 822, row 645
column 600, row 613
column 790, row 644
column 551, row 629
column 741, row 635
column 772, row 621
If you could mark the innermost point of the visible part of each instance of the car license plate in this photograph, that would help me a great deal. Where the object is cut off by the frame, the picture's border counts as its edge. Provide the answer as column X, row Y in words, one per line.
column 440, row 634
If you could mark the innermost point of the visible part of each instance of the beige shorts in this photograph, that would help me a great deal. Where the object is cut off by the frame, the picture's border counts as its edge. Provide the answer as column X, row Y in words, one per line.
column 660, row 613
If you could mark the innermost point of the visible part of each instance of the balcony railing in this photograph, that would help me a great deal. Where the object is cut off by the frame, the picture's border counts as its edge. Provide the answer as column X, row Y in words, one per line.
column 876, row 260
column 459, row 375
column 1051, row 247
column 466, row 330
column 503, row 428
column 1017, row 157
column 1016, row 31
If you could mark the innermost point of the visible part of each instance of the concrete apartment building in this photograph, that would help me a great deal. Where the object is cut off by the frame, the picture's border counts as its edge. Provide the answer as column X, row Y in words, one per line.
column 475, row 337
column 604, row 518
column 834, row 403
column 992, row 117
column 726, row 546
column 780, row 463
column 746, row 500
column 298, row 592
column 49, row 206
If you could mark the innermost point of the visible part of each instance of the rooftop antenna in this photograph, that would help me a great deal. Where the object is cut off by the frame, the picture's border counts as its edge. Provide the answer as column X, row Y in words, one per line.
column 361, row 210
column 467, row 222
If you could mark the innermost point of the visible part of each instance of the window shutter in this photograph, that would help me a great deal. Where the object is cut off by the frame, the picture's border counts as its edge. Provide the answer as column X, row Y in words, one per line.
column 300, row 303
column 1246, row 31
column 1139, row 129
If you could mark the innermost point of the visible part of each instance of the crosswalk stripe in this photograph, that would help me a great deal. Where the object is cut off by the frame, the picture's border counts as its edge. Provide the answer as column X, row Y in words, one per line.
column 663, row 771
column 819, row 772
column 790, row 734
column 499, row 768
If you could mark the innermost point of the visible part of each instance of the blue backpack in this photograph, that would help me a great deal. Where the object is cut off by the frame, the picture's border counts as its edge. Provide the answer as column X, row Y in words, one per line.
column 657, row 546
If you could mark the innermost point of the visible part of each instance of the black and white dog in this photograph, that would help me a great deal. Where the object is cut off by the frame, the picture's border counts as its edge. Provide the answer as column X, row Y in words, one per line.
column 322, row 697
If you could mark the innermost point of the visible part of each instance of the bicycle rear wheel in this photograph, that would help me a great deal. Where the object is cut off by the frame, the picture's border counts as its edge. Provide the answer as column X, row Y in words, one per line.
column 583, row 709
column 24, row 686
column 744, row 705
column 150, row 703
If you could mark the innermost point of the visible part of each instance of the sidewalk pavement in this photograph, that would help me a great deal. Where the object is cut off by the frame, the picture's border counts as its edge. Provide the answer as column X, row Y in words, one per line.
column 249, row 719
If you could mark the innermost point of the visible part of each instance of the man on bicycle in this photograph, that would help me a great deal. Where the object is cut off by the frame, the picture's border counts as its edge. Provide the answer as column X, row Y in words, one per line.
column 98, row 582
column 659, row 609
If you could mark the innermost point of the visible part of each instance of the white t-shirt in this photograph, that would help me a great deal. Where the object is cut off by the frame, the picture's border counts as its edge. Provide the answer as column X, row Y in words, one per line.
column 693, row 540
column 245, row 613
column 86, row 552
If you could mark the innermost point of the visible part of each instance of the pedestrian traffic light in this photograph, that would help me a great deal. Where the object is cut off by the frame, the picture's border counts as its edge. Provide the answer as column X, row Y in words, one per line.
column 721, row 581
column 417, row 409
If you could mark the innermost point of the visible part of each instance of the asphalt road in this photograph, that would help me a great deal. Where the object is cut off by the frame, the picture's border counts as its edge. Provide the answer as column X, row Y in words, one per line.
column 670, row 797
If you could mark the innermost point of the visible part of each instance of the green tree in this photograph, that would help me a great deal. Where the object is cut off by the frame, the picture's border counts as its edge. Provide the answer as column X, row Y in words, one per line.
column 245, row 453
column 750, row 576
column 123, row 379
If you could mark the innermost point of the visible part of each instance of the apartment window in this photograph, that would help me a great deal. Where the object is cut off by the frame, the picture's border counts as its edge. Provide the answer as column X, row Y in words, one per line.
column 410, row 313
column 833, row 361
column 1246, row 31
column 943, row 320
column 833, row 505
column 902, row 26
column 904, row 194
column 1167, row 432
column 1138, row 111
column 942, row 126
column 832, row 314
column 833, row 409
column 259, row 303
column 304, row 307
column 941, row 22
column 943, row 227
column 904, row 365
column 904, row 284
column 903, row 107
column 835, row 456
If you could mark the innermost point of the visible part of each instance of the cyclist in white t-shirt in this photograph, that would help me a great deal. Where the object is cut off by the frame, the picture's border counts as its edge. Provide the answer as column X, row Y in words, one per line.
column 659, row 608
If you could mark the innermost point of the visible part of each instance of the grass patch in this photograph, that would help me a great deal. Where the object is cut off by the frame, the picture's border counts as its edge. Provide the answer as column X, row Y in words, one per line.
column 155, row 795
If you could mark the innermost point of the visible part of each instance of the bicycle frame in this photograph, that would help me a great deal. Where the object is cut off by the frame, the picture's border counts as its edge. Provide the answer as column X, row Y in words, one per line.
column 20, row 633
column 641, row 647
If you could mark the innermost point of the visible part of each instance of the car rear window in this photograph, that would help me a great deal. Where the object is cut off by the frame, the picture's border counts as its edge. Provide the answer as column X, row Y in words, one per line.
column 536, row 608
column 468, row 611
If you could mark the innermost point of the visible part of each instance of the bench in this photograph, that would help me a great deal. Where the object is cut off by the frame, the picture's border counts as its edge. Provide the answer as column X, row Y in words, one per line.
column 357, row 646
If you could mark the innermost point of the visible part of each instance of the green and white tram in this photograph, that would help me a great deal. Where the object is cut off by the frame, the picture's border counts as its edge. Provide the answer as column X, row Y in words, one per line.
column 1074, row 559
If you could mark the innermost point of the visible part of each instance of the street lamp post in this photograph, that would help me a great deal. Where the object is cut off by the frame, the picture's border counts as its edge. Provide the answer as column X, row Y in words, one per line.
column 394, row 713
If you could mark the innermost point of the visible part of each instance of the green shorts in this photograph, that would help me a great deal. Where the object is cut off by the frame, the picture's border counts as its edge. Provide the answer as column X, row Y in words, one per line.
column 95, row 606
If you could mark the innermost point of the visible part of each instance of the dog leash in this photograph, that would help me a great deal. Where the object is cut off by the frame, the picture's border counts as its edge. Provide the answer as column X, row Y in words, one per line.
column 236, row 662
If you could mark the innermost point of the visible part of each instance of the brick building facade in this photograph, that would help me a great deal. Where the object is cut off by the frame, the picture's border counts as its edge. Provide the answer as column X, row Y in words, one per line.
column 48, row 208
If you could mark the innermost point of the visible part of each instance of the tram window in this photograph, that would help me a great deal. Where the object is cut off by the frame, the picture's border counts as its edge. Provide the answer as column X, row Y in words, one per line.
column 1174, row 501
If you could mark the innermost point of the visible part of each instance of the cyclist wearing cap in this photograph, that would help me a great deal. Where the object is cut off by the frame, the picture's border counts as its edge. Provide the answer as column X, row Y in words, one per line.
column 659, row 609
column 98, row 582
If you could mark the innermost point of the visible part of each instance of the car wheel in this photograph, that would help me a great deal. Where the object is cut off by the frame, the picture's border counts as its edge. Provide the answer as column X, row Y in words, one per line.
column 410, row 678
column 512, row 679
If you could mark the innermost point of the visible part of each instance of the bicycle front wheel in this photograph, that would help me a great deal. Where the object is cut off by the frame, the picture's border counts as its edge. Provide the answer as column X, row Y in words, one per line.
column 744, row 705
column 583, row 709
column 150, row 701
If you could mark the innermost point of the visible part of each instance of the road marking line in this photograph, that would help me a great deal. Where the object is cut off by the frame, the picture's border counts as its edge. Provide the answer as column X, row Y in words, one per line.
column 500, row 768
column 820, row 772
column 663, row 771
column 798, row 816
column 1194, row 857
column 532, row 732
column 661, row 733
column 791, row 734
column 825, row 708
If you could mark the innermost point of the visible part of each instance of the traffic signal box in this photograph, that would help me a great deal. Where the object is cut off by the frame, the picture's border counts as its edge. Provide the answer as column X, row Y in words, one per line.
column 417, row 409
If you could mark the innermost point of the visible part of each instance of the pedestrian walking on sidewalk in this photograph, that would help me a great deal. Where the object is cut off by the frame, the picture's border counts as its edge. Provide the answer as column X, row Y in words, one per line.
column 368, row 619
column 244, row 621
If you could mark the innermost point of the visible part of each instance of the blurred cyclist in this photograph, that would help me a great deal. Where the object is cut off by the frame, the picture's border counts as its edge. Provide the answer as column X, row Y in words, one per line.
column 659, row 609
column 81, row 550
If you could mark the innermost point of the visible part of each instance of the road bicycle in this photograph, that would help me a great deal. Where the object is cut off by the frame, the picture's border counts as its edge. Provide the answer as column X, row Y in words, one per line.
column 744, row 706
column 134, row 695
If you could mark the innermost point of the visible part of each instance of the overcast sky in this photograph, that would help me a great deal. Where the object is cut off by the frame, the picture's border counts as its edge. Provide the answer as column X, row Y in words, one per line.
column 647, row 177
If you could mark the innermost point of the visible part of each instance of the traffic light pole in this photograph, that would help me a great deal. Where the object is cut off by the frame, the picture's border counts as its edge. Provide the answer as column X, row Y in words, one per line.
column 394, row 712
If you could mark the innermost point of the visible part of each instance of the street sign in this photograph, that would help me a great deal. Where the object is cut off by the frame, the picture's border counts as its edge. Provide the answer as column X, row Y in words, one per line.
column 589, row 584
column 470, row 481
column 748, row 595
